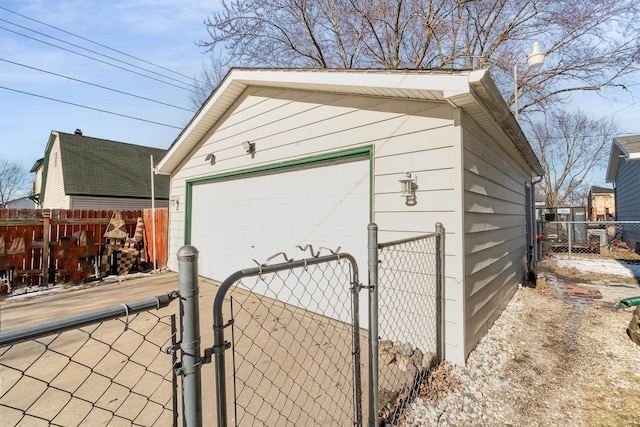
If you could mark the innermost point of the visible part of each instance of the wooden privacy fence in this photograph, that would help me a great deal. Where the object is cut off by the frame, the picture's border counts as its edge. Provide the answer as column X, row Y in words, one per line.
column 30, row 240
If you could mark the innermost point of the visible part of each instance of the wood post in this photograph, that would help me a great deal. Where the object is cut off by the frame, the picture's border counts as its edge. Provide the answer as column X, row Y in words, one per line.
column 46, row 217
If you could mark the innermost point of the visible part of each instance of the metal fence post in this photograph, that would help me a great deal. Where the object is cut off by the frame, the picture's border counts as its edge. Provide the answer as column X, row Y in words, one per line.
column 190, row 336
column 440, row 292
column 570, row 231
column 373, row 323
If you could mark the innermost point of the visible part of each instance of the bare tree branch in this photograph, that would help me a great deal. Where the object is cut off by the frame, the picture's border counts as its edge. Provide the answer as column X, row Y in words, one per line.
column 570, row 146
column 13, row 181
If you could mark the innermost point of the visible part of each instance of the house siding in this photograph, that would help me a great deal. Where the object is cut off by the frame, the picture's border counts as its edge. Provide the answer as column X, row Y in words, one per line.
column 627, row 200
column 114, row 203
column 54, row 196
column 494, row 230
column 407, row 136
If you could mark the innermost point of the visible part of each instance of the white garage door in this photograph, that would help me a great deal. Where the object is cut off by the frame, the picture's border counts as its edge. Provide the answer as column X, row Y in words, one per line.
column 256, row 216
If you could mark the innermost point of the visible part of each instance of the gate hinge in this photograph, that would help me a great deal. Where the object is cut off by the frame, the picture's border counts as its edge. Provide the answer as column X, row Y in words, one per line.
column 173, row 348
column 214, row 350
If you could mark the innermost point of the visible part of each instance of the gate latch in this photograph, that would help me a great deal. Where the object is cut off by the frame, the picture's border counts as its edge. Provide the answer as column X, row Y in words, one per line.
column 217, row 349
column 214, row 350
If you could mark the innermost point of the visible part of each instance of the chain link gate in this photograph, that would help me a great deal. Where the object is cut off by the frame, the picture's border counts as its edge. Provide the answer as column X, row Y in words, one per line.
column 294, row 338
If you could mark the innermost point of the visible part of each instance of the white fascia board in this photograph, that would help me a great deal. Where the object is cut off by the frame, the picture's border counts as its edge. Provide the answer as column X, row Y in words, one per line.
column 342, row 81
column 614, row 160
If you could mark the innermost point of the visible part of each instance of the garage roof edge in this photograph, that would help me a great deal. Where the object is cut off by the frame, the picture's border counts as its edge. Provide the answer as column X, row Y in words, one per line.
column 402, row 84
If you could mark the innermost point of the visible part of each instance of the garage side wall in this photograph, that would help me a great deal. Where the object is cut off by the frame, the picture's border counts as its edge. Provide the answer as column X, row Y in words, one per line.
column 495, row 178
column 406, row 136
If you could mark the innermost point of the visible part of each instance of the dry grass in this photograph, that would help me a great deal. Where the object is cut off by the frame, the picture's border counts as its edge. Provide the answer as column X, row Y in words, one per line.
column 612, row 404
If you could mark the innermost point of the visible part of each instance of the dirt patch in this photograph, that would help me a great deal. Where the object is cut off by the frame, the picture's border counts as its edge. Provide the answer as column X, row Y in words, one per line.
column 550, row 359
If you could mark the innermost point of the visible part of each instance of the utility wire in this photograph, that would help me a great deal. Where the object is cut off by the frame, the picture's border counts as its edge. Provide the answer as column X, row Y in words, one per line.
column 95, row 59
column 95, row 52
column 89, row 108
column 96, row 85
column 99, row 44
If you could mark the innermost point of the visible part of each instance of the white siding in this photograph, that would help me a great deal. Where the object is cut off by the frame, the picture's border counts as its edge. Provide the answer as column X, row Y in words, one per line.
column 407, row 136
column 54, row 195
column 114, row 203
column 494, row 230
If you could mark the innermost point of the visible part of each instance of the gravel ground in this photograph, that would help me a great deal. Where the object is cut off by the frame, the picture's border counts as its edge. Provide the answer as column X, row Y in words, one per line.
column 549, row 359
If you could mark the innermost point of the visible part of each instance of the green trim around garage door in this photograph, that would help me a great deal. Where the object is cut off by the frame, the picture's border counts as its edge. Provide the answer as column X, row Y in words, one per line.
column 353, row 154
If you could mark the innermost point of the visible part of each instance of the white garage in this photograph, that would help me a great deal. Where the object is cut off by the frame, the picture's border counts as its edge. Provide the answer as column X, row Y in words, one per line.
column 253, row 215
column 327, row 151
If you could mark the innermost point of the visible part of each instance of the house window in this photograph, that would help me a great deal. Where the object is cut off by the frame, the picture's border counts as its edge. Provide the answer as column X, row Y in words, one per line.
column 55, row 159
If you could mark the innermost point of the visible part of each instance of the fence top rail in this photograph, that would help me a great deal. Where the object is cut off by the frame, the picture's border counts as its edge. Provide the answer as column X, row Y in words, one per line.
column 266, row 269
column 407, row 240
column 592, row 222
column 40, row 330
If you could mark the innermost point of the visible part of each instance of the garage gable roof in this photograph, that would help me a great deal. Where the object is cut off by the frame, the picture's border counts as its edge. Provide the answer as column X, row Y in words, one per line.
column 473, row 91
column 622, row 147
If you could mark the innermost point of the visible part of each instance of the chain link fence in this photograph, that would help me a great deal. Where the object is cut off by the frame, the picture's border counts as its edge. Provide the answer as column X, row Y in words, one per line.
column 293, row 331
column 108, row 367
column 410, row 318
column 597, row 239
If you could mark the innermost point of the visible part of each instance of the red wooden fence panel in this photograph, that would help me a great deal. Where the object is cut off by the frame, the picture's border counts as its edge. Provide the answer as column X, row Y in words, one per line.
column 30, row 267
column 162, row 233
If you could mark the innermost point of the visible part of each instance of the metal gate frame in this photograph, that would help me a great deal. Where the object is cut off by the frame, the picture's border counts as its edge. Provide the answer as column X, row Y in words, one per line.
column 220, row 325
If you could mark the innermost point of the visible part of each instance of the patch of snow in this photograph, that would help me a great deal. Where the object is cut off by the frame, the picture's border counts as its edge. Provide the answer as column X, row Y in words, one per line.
column 599, row 266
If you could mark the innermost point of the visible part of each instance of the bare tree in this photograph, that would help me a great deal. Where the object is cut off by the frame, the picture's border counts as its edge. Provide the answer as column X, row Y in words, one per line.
column 211, row 74
column 13, row 181
column 592, row 44
column 570, row 146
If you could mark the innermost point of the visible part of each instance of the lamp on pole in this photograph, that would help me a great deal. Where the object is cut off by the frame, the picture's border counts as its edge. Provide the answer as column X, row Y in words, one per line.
column 535, row 59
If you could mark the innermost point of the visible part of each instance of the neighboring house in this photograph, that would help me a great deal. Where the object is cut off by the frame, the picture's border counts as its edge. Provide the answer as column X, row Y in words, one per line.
column 601, row 204
column 21, row 203
column 276, row 158
column 624, row 172
column 80, row 172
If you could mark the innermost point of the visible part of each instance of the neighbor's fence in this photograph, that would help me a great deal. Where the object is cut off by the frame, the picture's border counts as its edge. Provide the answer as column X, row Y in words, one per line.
column 408, row 276
column 294, row 339
column 101, row 368
column 606, row 239
column 30, row 241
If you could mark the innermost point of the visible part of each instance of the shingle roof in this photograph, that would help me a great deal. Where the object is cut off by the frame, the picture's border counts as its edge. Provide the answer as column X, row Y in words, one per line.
column 630, row 144
column 627, row 147
column 99, row 167
column 601, row 190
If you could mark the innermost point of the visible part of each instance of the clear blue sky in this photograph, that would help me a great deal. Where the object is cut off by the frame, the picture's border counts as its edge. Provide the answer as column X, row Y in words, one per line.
column 162, row 32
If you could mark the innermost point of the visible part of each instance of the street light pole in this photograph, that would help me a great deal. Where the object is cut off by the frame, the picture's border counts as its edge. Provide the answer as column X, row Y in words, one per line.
column 535, row 59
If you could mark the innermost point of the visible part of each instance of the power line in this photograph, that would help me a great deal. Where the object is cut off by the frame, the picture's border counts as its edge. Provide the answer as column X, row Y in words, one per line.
column 96, row 85
column 89, row 108
column 95, row 59
column 92, row 51
column 99, row 44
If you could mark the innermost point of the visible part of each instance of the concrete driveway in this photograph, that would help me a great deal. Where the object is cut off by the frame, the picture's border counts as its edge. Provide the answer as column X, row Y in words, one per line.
column 61, row 302
column 281, row 346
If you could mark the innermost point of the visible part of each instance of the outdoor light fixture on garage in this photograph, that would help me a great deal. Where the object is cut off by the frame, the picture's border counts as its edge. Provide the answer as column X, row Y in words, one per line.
column 210, row 158
column 408, row 188
column 175, row 202
column 250, row 148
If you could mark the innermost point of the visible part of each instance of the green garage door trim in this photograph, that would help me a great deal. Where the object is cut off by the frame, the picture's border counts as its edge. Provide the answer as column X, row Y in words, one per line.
column 346, row 155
